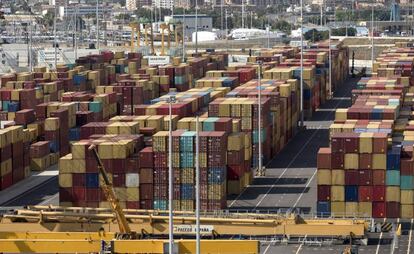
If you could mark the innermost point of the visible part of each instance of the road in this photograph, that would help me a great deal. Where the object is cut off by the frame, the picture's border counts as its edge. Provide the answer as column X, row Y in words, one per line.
column 290, row 181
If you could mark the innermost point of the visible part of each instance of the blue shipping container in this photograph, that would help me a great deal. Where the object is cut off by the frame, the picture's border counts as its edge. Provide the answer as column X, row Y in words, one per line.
column 92, row 180
column 187, row 191
column 95, row 106
column 74, row 134
column 351, row 193
column 54, row 146
column 13, row 106
column 160, row 204
column 323, row 208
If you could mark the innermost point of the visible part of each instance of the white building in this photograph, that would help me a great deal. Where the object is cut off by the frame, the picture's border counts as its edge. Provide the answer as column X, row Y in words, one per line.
column 131, row 5
column 167, row 4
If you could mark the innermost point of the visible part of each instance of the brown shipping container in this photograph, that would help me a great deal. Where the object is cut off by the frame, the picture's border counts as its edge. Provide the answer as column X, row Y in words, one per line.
column 365, row 161
column 324, row 158
column 365, row 193
column 351, row 177
column 393, row 209
column 378, row 177
column 379, row 143
column 324, row 192
column 351, row 143
column 365, row 177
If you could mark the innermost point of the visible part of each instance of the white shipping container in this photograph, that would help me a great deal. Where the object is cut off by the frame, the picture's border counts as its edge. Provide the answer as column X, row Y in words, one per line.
column 132, row 180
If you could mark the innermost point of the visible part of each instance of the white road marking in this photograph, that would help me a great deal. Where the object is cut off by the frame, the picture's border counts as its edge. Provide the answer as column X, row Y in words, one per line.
column 300, row 246
column 410, row 236
column 284, row 171
column 379, row 241
column 268, row 247
column 47, row 201
column 303, row 191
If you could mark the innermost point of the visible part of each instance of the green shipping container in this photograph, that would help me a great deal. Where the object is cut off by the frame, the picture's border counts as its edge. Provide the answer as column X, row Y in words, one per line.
column 407, row 183
column 392, row 178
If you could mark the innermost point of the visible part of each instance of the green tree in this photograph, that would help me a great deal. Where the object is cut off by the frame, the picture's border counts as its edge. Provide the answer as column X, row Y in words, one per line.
column 283, row 26
column 314, row 35
column 342, row 31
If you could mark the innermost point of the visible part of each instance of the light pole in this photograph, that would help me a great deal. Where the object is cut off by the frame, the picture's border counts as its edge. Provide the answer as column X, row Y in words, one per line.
column 260, row 169
column 183, row 60
column 170, row 101
column 301, row 64
column 372, row 39
column 330, row 64
column 97, row 24
column 197, row 164
column 54, row 36
column 196, row 26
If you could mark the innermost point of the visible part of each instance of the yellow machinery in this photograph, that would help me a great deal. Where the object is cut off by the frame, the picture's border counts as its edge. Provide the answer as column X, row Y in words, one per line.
column 124, row 229
column 135, row 27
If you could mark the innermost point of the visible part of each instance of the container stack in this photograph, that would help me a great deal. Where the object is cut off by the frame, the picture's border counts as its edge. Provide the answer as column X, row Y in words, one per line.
column 246, row 110
column 40, row 155
column 368, row 168
column 79, row 180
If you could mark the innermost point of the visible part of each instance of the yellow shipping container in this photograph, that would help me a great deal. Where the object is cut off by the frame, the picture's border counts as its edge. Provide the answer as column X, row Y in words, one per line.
column 365, row 142
column 351, row 161
column 407, row 211
column 341, row 114
column 337, row 193
column 78, row 150
column 132, row 194
column 338, row 177
column 65, row 180
column 407, row 197
column 337, row 208
column 78, row 166
column 6, row 167
column 392, row 193
column 105, row 150
column 379, row 161
column 65, row 164
column 235, row 142
column 324, row 177
column 52, row 124
column 365, row 209
column 16, row 133
column 351, row 208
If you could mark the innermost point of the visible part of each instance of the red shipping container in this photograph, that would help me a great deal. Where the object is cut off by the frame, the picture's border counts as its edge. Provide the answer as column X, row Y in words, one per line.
column 235, row 157
column 365, row 161
column 324, row 158
column 118, row 166
column 324, row 192
column 337, row 161
column 65, row 194
column 39, row 149
column 25, row 116
column 146, row 191
column 351, row 177
column 146, row 175
column 393, row 209
column 365, row 177
column 407, row 167
column 146, row 204
column 132, row 204
column 93, row 194
column 6, row 153
column 78, row 180
column 365, row 193
column 351, row 143
column 118, row 180
column 378, row 193
column 378, row 210
column 378, row 177
column 6, row 181
column 337, row 143
column 235, row 172
column 79, row 194
column 17, row 149
column 379, row 143
column 146, row 158
column 18, row 173
column 132, row 164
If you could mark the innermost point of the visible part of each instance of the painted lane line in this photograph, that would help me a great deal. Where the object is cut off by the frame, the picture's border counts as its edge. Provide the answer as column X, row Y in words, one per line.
column 410, row 236
column 379, row 241
column 288, row 166
column 303, row 191
column 268, row 246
